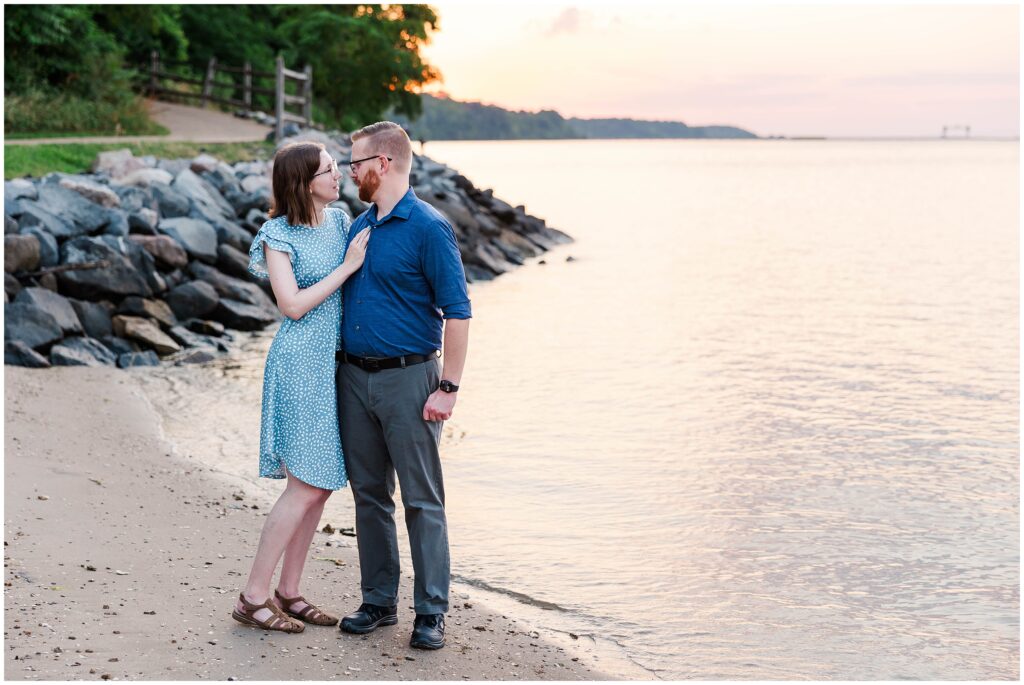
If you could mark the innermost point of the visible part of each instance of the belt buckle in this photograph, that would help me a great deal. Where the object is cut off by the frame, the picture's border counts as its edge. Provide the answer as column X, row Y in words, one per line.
column 371, row 365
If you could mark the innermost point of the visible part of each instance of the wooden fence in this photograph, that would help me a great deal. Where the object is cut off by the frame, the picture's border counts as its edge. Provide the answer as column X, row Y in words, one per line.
column 158, row 75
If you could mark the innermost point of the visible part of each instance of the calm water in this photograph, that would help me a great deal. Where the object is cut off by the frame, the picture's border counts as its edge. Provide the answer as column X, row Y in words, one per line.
column 765, row 426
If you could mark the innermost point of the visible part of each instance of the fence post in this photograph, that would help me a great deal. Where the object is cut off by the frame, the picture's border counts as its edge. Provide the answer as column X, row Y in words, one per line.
column 247, row 85
column 211, row 71
column 307, row 93
column 279, row 97
column 154, row 67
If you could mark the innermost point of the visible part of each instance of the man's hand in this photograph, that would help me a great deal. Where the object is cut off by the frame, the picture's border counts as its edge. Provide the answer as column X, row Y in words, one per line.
column 439, row 406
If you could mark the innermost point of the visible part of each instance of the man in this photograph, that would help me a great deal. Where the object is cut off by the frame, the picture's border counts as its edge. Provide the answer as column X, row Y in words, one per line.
column 393, row 393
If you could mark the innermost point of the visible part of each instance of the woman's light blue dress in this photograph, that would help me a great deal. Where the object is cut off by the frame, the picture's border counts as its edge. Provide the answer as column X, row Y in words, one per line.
column 299, row 426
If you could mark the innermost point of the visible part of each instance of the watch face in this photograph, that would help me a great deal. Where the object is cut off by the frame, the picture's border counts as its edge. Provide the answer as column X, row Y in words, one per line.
column 448, row 386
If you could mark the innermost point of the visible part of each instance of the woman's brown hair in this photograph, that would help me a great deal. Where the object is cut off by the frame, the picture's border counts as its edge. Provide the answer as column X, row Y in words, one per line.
column 294, row 166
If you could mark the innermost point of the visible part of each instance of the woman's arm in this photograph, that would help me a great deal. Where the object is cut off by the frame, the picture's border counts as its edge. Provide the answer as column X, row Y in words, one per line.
column 295, row 302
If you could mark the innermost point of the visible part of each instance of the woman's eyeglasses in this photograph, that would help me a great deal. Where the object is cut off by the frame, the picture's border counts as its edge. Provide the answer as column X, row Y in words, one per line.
column 334, row 168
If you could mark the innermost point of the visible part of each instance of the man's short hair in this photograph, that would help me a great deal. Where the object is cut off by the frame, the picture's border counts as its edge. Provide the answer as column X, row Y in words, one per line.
column 387, row 138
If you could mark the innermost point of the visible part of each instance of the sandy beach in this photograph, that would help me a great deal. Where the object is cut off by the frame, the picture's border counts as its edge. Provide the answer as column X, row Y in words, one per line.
column 123, row 559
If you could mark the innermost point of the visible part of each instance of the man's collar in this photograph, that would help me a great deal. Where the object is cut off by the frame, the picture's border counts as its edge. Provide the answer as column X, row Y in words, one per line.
column 401, row 211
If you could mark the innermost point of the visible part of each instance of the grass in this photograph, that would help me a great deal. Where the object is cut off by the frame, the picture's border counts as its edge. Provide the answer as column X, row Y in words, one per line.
column 38, row 111
column 155, row 130
column 74, row 158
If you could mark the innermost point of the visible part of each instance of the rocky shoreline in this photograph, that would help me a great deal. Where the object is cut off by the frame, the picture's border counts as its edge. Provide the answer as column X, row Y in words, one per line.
column 145, row 260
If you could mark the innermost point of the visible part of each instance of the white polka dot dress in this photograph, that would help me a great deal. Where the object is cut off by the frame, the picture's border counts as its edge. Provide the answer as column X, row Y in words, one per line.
column 299, row 426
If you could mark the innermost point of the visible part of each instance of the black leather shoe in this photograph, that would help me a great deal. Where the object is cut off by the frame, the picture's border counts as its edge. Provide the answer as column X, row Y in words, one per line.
column 368, row 617
column 428, row 631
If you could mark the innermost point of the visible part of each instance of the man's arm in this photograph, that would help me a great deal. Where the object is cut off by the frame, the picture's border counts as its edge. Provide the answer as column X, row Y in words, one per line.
column 440, row 404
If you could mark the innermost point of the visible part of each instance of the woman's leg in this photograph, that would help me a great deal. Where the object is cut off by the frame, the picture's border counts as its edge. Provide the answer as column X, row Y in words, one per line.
column 281, row 526
column 297, row 551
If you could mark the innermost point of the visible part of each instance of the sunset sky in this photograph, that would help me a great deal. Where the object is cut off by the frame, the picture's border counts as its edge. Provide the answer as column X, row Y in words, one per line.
column 839, row 70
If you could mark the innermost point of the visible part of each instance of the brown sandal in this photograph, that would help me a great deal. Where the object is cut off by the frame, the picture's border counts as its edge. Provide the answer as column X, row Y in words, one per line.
column 276, row 621
column 310, row 614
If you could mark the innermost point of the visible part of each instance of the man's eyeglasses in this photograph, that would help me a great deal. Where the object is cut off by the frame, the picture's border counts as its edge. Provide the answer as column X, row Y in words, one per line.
column 332, row 169
column 354, row 162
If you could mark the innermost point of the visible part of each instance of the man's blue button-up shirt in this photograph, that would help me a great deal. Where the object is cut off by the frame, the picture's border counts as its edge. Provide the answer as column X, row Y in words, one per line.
column 411, row 280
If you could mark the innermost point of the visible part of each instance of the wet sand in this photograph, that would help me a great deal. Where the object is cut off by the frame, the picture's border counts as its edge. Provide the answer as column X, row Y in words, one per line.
column 123, row 559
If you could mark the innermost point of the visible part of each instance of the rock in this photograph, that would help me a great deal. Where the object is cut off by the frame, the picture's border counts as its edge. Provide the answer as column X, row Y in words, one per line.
column 197, row 356
column 187, row 338
column 21, row 252
column 130, row 359
column 72, row 207
column 134, row 198
column 19, row 189
column 49, row 253
column 17, row 353
column 144, row 221
column 243, row 203
column 233, row 261
column 146, row 178
column 81, row 352
column 117, row 224
column 154, row 309
column 36, row 215
column 254, row 219
column 165, row 250
column 145, row 332
column 170, row 202
column 242, row 316
column 194, row 299
column 205, row 199
column 222, row 177
column 492, row 258
column 476, row 274
column 94, row 317
column 198, row 237
column 117, row 163
column 232, row 234
column 55, row 305
column 175, row 278
column 118, row 278
column 48, row 281
column 213, row 328
column 255, row 168
column 120, row 346
column 11, row 286
column 232, row 288
column 253, row 183
column 92, row 191
column 10, row 224
column 173, row 166
column 204, row 162
column 30, row 325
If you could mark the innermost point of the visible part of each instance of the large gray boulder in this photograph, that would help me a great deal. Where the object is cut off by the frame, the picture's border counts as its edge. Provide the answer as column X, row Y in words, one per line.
column 233, row 261
column 21, row 252
column 17, row 353
column 198, row 238
column 81, row 352
column 34, row 214
column 194, row 299
column 19, row 189
column 11, row 286
column 205, row 199
column 170, row 202
column 30, row 325
column 144, row 221
column 133, row 198
column 120, row 276
column 229, row 233
column 10, row 224
column 232, row 288
column 242, row 316
column 69, row 205
column 144, row 178
column 94, row 317
column 57, row 306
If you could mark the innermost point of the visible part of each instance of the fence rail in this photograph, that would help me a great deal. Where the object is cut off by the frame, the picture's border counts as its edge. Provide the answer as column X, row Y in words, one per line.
column 158, row 75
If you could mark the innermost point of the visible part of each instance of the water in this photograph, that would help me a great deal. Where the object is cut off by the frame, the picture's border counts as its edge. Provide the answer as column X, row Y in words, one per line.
column 764, row 426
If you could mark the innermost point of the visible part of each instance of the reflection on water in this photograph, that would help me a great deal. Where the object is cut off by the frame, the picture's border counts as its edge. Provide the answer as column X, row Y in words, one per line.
column 763, row 426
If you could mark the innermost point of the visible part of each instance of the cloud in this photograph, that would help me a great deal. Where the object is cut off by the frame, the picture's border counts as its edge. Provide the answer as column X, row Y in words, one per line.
column 569, row 21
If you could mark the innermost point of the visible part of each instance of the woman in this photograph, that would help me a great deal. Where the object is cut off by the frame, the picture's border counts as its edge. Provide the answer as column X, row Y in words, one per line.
column 301, row 250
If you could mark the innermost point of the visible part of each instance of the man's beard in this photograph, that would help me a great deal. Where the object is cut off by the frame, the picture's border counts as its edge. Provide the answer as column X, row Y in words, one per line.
column 368, row 185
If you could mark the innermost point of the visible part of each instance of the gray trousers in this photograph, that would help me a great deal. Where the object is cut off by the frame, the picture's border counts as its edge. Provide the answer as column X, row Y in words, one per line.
column 383, row 433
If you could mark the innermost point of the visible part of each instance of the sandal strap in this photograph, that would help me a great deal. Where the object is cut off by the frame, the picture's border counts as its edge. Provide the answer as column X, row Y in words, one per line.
column 310, row 611
column 277, row 617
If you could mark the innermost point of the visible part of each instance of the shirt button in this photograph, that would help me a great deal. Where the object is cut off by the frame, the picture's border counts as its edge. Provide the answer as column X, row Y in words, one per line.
column 359, row 301
column 357, row 328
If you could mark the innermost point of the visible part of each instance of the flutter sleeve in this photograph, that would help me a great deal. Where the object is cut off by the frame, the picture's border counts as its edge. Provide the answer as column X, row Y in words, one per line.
column 272, row 234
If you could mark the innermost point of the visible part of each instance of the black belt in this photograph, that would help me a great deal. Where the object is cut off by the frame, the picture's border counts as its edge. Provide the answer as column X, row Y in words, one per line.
column 374, row 365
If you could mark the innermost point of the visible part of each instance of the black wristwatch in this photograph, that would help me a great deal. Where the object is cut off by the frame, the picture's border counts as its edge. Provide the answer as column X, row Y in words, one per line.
column 448, row 386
